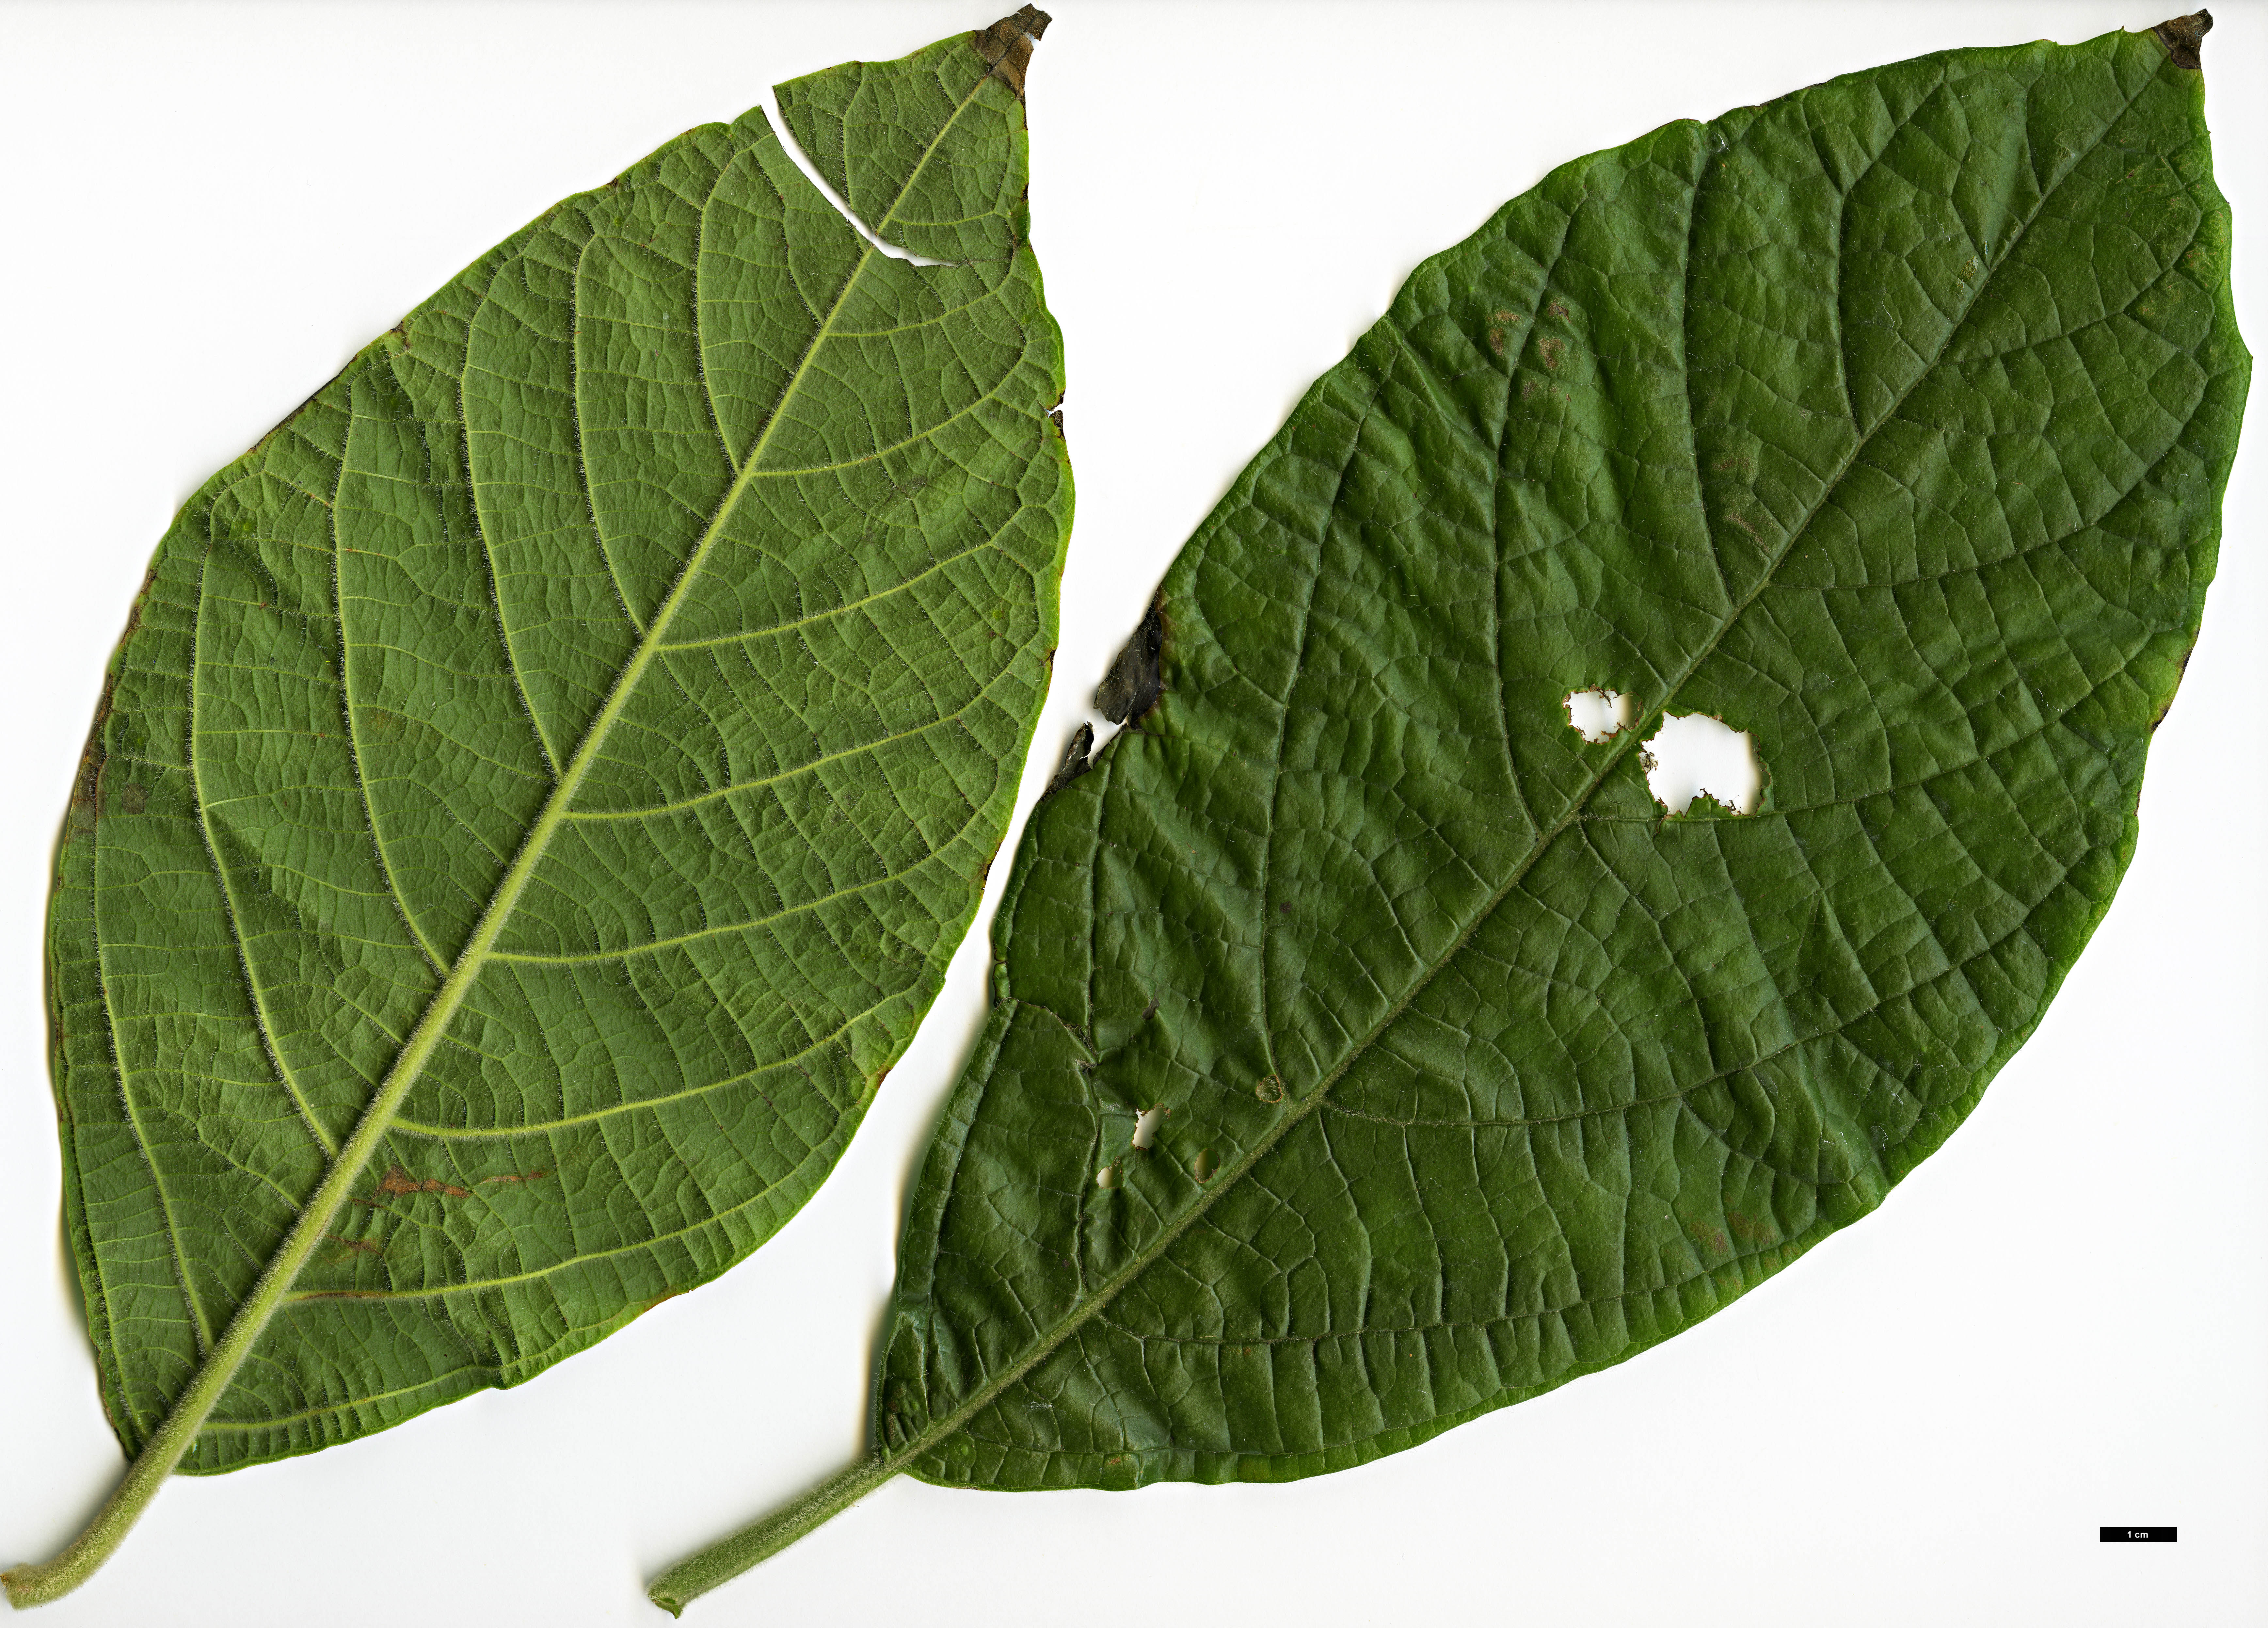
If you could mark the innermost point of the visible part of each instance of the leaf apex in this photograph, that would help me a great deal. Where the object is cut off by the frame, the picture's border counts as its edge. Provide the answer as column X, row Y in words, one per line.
column 1006, row 46
column 2184, row 38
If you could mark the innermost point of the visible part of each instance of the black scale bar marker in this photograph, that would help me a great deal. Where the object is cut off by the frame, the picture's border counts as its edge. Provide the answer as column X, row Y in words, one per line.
column 2138, row 1534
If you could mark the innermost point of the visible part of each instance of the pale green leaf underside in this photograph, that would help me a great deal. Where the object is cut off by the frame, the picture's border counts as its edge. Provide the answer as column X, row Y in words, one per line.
column 687, row 553
column 1887, row 421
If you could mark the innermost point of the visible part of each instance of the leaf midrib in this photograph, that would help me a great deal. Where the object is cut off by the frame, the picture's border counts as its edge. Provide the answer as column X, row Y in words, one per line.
column 651, row 642
column 271, row 1291
column 1308, row 1105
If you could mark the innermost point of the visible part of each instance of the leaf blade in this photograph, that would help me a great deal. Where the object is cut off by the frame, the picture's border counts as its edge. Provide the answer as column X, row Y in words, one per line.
column 1145, row 925
column 507, row 491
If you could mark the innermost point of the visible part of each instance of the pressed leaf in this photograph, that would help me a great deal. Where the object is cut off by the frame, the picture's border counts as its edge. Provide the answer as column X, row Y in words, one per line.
column 1369, row 1048
column 543, row 782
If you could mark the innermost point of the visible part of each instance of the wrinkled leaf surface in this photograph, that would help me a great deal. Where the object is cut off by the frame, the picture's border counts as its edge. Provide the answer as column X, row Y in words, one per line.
column 687, row 564
column 1888, row 422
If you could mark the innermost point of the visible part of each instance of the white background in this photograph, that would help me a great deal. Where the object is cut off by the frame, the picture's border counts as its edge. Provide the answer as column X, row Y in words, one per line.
column 2057, row 1322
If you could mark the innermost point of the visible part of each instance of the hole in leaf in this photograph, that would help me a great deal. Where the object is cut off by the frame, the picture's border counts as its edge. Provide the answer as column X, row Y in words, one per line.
column 1145, row 1128
column 1107, row 1176
column 1203, row 1166
column 1598, row 714
column 1695, row 755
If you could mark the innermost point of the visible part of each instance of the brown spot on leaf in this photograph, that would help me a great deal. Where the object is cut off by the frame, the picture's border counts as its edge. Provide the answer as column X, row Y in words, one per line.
column 357, row 1246
column 1551, row 348
column 2184, row 39
column 1500, row 319
column 2181, row 670
column 1006, row 46
column 397, row 1180
column 1748, row 1231
column 525, row 1175
column 87, row 791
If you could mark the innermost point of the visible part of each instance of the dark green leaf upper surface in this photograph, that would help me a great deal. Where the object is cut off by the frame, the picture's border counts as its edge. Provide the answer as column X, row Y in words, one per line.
column 1888, row 422
column 689, row 556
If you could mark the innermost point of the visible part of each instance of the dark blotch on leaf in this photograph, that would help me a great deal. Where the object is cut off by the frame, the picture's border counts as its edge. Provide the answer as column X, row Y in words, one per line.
column 2185, row 38
column 1008, row 45
column 1074, row 762
column 1131, row 687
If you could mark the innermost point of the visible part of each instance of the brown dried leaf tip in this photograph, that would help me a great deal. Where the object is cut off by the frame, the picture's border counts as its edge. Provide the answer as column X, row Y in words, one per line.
column 2184, row 39
column 1006, row 46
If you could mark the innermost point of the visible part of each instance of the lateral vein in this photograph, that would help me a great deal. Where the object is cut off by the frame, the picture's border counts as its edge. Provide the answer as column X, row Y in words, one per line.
column 1305, row 1106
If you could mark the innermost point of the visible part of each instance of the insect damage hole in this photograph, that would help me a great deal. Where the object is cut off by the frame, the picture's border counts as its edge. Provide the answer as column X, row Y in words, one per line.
column 1693, row 755
column 1599, row 714
column 1145, row 1127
